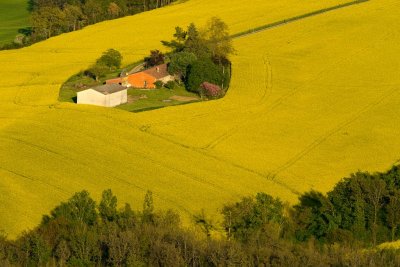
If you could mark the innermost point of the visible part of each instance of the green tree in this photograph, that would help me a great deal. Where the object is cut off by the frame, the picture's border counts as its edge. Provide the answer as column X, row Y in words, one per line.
column 375, row 190
column 244, row 219
column 156, row 58
column 47, row 21
column 110, row 58
column 219, row 42
column 74, row 17
column 177, row 44
column 80, row 208
column 203, row 70
column 194, row 43
column 314, row 216
column 393, row 213
column 93, row 10
column 108, row 206
column 148, row 207
column 179, row 63
column 35, row 250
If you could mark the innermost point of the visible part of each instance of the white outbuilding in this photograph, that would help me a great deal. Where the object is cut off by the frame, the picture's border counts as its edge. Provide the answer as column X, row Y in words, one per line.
column 108, row 95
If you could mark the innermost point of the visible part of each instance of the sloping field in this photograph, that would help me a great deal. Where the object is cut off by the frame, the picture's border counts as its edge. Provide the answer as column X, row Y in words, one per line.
column 310, row 102
column 13, row 16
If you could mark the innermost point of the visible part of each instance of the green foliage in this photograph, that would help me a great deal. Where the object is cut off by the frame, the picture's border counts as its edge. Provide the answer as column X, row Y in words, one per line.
column 108, row 206
column 156, row 58
column 194, row 54
column 35, row 251
column 363, row 208
column 218, row 39
column 180, row 62
column 244, row 219
column 110, row 58
column 80, row 208
column 170, row 85
column 97, row 71
column 148, row 207
column 158, row 84
column 315, row 216
column 203, row 70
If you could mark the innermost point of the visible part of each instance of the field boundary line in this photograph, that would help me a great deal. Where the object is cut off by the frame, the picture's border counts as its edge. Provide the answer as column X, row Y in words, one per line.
column 293, row 19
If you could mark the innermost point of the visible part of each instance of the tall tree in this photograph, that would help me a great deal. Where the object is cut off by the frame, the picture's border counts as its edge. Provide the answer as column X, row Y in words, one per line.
column 219, row 42
column 375, row 190
column 108, row 206
column 393, row 213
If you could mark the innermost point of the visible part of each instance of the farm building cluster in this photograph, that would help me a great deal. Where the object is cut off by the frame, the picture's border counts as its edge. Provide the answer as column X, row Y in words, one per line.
column 115, row 91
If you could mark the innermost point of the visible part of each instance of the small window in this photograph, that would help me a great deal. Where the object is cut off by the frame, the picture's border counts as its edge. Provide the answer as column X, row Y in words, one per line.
column 145, row 84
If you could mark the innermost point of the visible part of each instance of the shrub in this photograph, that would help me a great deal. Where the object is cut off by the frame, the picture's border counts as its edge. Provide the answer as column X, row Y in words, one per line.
column 210, row 90
column 158, row 84
column 97, row 71
column 170, row 85
column 203, row 70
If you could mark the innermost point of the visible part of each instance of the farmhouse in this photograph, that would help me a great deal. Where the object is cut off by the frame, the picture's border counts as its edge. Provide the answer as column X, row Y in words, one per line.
column 144, row 79
column 109, row 95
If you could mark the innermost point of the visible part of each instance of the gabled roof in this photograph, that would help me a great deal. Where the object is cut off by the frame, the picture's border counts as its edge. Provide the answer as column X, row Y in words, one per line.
column 158, row 72
column 109, row 88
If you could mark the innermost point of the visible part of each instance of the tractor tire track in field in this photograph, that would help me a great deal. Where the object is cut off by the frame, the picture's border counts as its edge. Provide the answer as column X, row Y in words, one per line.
column 63, row 191
column 268, row 81
column 333, row 131
column 163, row 165
column 268, row 177
column 113, row 179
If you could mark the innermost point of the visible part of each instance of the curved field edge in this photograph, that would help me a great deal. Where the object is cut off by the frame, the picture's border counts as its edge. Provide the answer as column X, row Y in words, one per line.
column 296, row 116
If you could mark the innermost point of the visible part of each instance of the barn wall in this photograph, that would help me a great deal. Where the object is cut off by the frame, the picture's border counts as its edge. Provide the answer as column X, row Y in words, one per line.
column 91, row 97
column 117, row 98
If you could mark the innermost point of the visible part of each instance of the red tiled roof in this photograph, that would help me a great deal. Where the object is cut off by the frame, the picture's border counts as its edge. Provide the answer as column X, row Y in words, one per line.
column 158, row 72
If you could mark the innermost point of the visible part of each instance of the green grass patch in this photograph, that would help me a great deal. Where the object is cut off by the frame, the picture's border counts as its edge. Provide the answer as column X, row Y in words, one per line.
column 13, row 16
column 145, row 99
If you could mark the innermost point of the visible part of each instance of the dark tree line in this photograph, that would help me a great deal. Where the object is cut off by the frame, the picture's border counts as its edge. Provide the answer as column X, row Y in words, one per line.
column 53, row 17
column 363, row 208
column 321, row 230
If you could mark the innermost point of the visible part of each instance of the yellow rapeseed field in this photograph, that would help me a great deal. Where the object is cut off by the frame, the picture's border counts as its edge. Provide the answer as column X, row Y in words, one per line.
column 309, row 103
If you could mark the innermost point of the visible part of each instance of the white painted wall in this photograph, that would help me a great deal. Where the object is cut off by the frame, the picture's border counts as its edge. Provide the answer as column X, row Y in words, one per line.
column 117, row 98
column 91, row 97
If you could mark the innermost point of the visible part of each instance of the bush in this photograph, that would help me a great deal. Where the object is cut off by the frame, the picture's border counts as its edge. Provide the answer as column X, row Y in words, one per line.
column 170, row 85
column 110, row 58
column 159, row 84
column 210, row 90
column 203, row 70
column 97, row 71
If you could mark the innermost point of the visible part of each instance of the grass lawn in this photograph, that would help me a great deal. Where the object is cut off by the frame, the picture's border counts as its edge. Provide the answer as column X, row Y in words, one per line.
column 13, row 16
column 156, row 98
